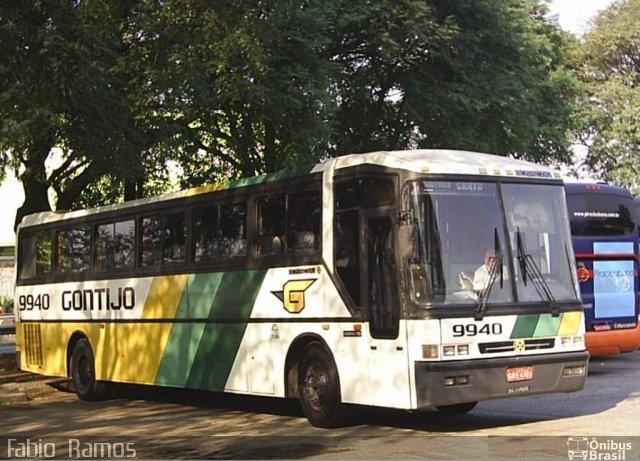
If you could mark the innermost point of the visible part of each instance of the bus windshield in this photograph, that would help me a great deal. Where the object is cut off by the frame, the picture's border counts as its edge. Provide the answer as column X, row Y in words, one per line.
column 466, row 234
column 600, row 214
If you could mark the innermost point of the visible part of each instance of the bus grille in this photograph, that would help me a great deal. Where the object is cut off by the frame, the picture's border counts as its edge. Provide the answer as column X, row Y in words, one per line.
column 32, row 344
column 510, row 346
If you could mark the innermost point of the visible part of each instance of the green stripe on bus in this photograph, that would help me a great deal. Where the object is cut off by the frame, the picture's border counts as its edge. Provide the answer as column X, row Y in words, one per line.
column 547, row 325
column 525, row 326
column 275, row 176
column 219, row 344
column 185, row 338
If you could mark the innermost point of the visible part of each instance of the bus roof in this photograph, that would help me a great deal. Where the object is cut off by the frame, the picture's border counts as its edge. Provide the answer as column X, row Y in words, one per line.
column 428, row 161
column 577, row 186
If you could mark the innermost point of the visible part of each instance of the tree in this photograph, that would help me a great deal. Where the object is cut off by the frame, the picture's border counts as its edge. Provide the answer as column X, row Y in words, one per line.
column 608, row 62
column 471, row 74
column 247, row 81
column 66, row 83
column 237, row 88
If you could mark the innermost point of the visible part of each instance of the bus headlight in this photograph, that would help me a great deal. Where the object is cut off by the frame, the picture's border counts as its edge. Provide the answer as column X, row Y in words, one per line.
column 448, row 351
column 430, row 351
column 575, row 370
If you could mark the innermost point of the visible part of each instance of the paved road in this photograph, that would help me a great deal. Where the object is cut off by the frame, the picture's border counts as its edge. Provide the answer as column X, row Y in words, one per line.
column 164, row 423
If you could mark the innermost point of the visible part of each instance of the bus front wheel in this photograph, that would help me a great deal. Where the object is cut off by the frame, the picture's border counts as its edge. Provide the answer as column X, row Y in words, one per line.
column 320, row 388
column 83, row 373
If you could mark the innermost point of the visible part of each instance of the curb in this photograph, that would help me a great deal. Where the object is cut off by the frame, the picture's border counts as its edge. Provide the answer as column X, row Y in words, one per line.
column 21, row 389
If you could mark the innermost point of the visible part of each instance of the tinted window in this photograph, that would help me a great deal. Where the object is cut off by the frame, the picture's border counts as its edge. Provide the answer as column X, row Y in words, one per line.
column 163, row 239
column 74, row 250
column 271, row 225
column 593, row 214
column 35, row 255
column 303, row 222
column 364, row 192
column 115, row 246
column 220, row 232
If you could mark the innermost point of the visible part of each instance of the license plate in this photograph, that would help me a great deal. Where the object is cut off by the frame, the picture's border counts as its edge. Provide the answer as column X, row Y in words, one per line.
column 519, row 374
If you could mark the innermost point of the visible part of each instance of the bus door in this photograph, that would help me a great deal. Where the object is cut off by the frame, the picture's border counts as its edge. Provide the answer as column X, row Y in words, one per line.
column 388, row 363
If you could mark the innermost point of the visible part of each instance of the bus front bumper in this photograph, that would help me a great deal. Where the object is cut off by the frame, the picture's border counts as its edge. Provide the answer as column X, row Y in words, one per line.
column 450, row 383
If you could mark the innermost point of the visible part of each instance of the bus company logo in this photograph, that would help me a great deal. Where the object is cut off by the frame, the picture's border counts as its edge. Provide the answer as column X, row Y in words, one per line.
column 584, row 274
column 618, row 280
column 593, row 449
column 292, row 294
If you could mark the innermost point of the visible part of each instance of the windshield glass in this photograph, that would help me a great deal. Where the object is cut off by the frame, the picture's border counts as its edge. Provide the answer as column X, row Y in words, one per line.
column 458, row 237
column 458, row 241
column 539, row 232
column 599, row 214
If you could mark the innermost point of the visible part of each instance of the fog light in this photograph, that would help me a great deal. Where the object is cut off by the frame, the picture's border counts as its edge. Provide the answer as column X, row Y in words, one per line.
column 450, row 381
column 463, row 349
column 462, row 380
column 448, row 351
column 575, row 370
column 429, row 351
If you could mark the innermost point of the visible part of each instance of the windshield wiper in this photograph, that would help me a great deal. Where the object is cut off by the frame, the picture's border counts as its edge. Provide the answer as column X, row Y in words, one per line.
column 529, row 266
column 497, row 269
column 521, row 256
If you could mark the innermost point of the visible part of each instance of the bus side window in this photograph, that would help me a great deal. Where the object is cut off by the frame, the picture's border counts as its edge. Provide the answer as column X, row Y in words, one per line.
column 115, row 246
column 271, row 218
column 220, row 232
column 303, row 222
column 233, row 230
column 74, row 250
column 35, row 255
column 164, row 239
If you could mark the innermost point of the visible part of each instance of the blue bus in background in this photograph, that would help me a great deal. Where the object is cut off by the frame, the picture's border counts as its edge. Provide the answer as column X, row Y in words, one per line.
column 605, row 240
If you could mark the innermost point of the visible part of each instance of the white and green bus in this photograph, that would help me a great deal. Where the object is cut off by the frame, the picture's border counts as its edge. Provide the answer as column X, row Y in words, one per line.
column 349, row 282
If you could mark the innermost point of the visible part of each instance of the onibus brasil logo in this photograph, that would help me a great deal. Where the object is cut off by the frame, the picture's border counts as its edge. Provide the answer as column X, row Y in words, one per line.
column 590, row 448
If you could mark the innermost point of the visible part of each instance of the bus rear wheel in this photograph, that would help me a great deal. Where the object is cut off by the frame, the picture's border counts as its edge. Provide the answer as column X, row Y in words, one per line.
column 458, row 408
column 320, row 388
column 83, row 373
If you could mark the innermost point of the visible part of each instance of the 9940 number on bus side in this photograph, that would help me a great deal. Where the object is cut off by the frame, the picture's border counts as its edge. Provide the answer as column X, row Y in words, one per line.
column 40, row 302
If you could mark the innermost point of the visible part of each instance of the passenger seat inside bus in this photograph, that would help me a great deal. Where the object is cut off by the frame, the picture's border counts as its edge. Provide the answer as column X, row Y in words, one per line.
column 303, row 240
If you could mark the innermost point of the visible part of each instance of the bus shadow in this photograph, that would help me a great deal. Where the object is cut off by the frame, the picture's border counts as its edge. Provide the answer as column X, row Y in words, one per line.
column 360, row 417
column 603, row 372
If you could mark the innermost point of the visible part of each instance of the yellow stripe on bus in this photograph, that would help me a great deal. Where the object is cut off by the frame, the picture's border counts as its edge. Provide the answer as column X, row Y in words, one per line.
column 133, row 351
column 570, row 323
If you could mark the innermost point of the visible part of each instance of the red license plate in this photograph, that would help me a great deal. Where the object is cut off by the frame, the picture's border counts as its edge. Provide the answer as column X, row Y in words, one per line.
column 519, row 374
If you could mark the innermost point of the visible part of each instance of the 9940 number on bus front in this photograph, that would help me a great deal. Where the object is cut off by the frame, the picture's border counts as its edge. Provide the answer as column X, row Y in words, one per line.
column 471, row 329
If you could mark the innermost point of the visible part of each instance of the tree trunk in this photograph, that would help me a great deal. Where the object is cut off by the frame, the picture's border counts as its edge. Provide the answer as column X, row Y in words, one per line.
column 36, row 198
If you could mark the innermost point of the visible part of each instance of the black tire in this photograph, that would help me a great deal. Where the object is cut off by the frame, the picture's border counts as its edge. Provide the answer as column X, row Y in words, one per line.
column 83, row 373
column 320, row 388
column 458, row 408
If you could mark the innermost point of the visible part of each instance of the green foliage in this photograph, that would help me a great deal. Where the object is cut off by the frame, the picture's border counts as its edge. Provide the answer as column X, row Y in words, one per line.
column 472, row 74
column 608, row 62
column 235, row 88
column 6, row 303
